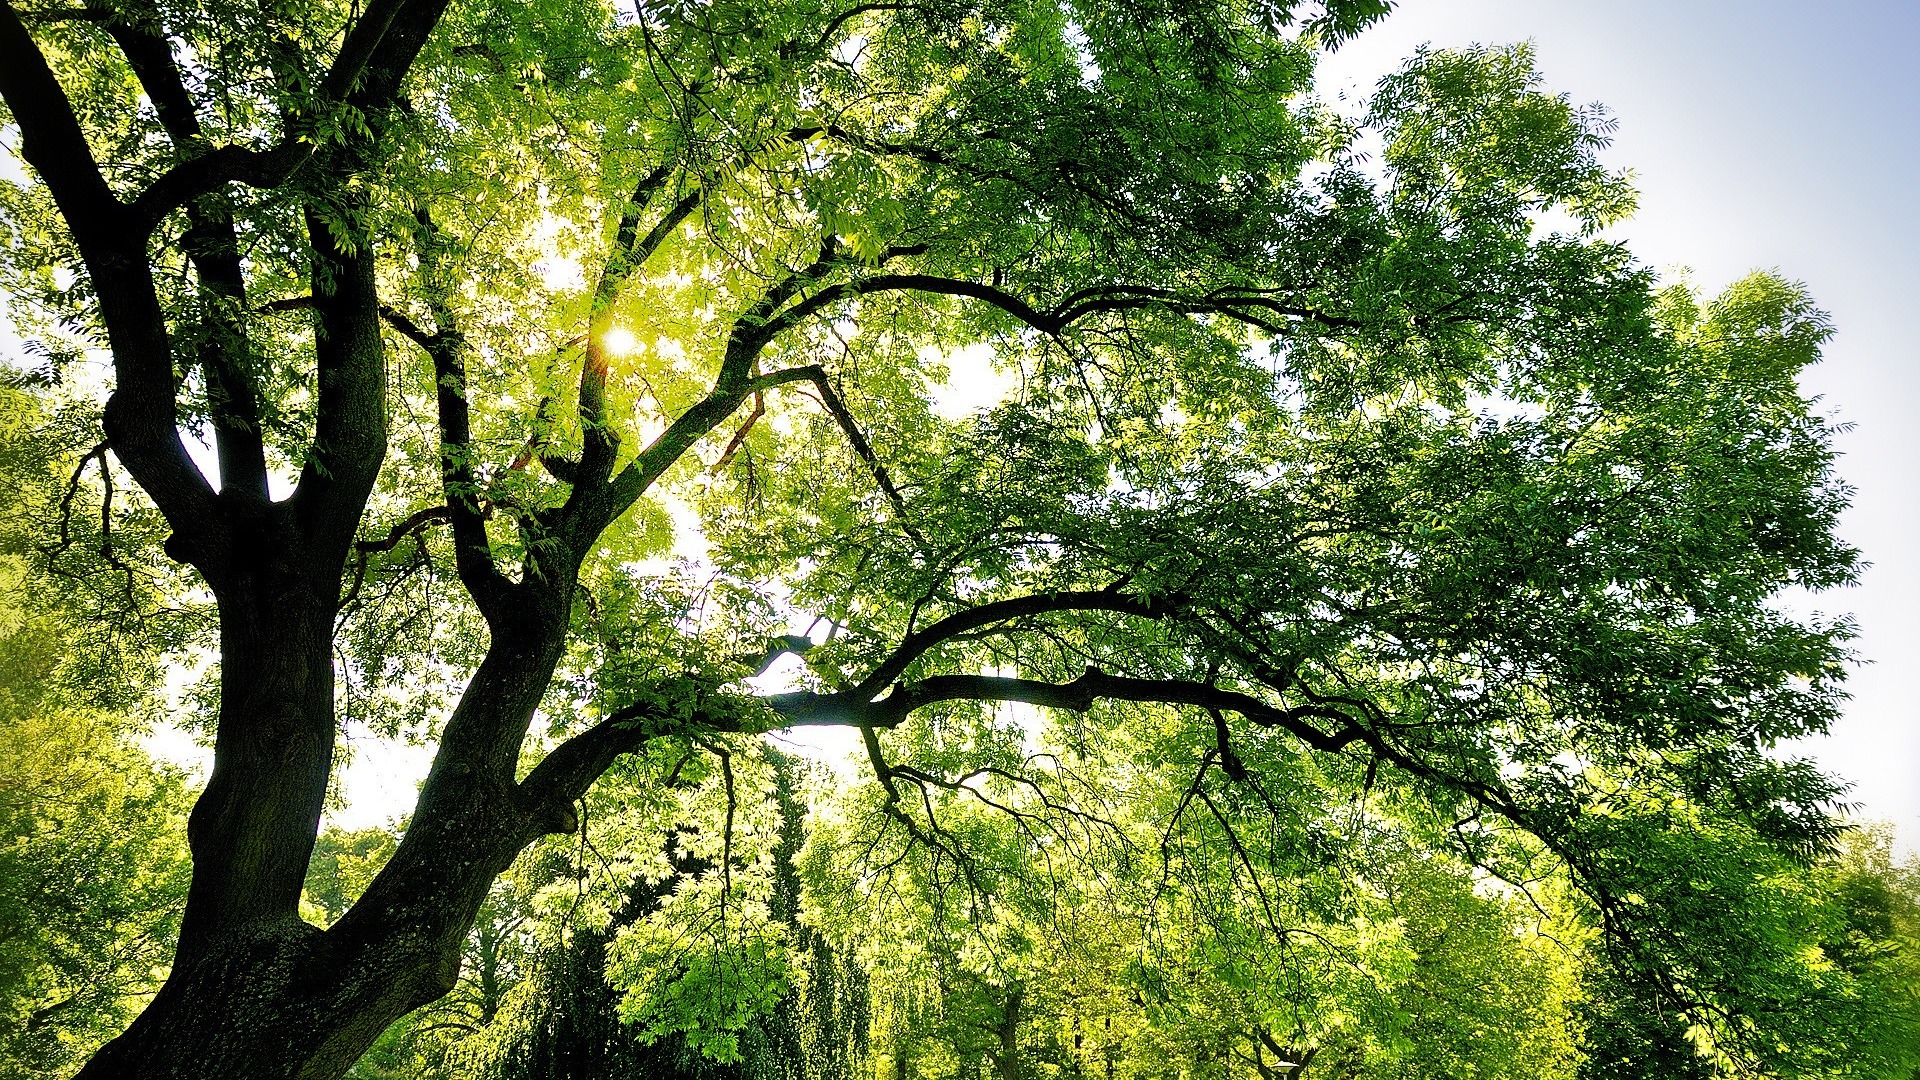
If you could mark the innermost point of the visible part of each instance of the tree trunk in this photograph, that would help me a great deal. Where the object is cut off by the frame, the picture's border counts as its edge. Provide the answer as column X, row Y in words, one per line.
column 255, row 991
column 1007, row 1061
column 277, row 1001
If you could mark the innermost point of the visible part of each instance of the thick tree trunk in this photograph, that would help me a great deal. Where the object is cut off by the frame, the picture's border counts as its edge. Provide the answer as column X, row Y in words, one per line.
column 271, row 1002
column 255, row 991
column 252, row 830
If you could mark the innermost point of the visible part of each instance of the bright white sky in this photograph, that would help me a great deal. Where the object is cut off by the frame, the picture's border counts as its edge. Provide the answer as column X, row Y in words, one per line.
column 1762, row 134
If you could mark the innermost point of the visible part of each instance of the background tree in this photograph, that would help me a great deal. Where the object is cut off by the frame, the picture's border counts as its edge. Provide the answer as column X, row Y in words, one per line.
column 1342, row 460
column 93, row 859
column 1217, row 943
column 572, row 989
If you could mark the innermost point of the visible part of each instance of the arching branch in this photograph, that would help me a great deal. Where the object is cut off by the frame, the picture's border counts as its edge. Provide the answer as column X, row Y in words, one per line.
column 1252, row 308
column 374, row 58
column 916, row 644
column 571, row 767
column 142, row 415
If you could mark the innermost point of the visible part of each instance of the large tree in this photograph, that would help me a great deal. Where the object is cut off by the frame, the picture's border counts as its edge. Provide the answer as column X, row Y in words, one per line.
column 1326, row 438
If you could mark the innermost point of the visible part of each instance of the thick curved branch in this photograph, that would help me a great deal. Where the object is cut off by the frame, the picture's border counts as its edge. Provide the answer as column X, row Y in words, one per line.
column 1076, row 696
column 366, row 74
column 233, row 398
column 1238, row 304
column 916, row 644
column 215, row 169
column 777, row 647
column 773, row 315
column 572, row 767
column 408, row 329
column 927, row 283
column 752, row 332
column 1246, row 306
column 777, row 311
column 350, row 423
column 142, row 417
column 568, row 770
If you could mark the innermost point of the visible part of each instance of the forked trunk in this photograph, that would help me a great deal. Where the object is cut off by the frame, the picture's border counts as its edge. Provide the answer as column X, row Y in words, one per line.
column 255, row 991
column 274, row 1001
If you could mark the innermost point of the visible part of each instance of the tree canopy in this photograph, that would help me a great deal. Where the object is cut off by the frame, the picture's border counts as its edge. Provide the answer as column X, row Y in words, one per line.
column 1357, row 537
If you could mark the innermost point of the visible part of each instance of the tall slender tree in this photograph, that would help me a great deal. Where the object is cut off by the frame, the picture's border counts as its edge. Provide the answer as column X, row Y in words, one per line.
column 1319, row 452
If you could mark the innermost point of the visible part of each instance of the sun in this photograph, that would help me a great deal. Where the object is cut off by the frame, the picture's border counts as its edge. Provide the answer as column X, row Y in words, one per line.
column 621, row 342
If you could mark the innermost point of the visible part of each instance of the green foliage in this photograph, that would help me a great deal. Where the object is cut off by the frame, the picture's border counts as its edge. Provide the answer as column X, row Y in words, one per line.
column 92, row 873
column 93, row 861
column 344, row 862
column 1428, row 555
column 1221, row 953
column 588, row 989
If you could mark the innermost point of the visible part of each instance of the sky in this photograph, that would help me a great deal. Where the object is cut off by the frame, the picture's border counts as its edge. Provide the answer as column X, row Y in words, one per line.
column 1777, row 136
column 1761, row 135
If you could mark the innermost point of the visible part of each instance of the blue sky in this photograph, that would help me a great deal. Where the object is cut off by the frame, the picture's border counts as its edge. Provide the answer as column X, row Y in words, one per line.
column 1770, row 136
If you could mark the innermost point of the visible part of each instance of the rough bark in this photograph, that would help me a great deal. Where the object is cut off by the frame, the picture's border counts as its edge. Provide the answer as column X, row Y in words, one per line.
column 256, row 991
